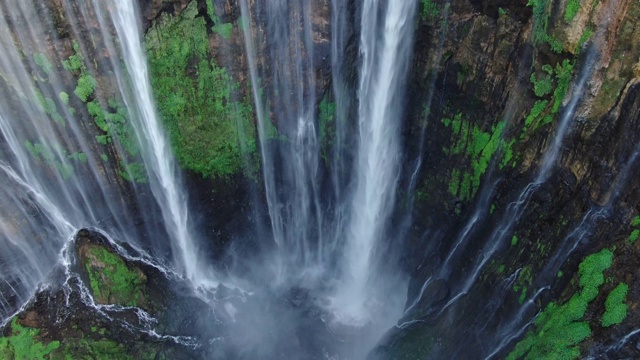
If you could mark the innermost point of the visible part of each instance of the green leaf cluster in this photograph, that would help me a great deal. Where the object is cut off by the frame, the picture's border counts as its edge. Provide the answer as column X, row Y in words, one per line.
column 615, row 307
column 209, row 122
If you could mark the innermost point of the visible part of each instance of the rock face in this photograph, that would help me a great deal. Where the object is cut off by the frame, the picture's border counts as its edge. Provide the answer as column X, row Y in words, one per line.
column 509, row 217
column 107, row 306
column 493, row 82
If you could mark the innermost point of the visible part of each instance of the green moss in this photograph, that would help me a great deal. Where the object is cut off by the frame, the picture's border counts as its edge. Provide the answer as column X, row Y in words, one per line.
column 43, row 62
column 559, row 329
column 635, row 221
column 455, row 182
column 78, row 156
column 64, row 97
column 133, row 172
column 615, row 307
column 514, row 240
column 634, row 236
column 563, row 78
column 225, row 30
column 541, row 86
column 430, row 10
column 75, row 62
column 541, row 24
column 54, row 157
column 24, row 344
column 209, row 122
column 49, row 107
column 586, row 35
column 111, row 281
column 571, row 10
column 114, row 122
column 95, row 349
column 476, row 147
column 85, row 87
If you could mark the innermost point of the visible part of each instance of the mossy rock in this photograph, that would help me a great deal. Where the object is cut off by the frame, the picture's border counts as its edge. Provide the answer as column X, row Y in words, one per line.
column 109, row 277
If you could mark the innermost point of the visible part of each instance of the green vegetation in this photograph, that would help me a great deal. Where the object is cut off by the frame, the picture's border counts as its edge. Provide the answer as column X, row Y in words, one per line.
column 635, row 233
column 64, row 97
column 544, row 85
column 223, row 29
column 75, row 63
column 209, row 122
column 514, row 240
column 563, row 78
column 103, row 349
column 133, row 172
column 56, row 158
column 429, row 10
column 43, row 62
column 477, row 147
column 615, row 307
column 24, row 344
column 113, row 121
column 571, row 10
column 85, row 88
column 559, row 329
column 111, row 281
column 541, row 24
column 49, row 107
column 540, row 113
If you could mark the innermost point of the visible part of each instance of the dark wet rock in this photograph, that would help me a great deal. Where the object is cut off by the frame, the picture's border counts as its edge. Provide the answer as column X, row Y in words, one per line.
column 108, row 305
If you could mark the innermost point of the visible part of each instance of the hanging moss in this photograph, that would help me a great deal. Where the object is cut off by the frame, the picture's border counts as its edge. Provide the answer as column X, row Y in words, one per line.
column 209, row 122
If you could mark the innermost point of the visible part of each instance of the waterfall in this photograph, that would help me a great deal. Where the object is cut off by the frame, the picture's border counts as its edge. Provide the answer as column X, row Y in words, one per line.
column 158, row 157
column 73, row 158
column 385, row 50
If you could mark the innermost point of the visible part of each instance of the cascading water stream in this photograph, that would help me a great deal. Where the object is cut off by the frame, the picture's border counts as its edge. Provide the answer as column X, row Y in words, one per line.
column 52, row 161
column 383, row 70
column 164, row 176
column 516, row 208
